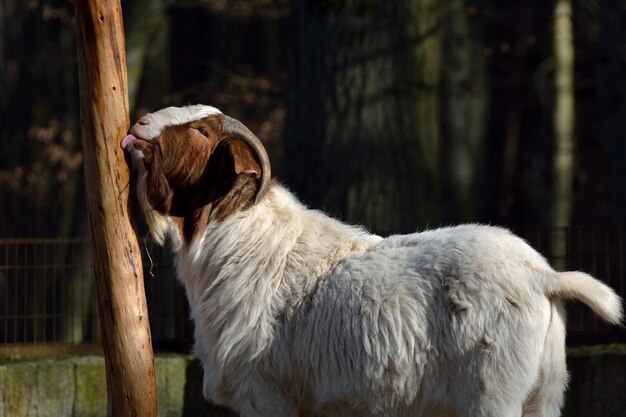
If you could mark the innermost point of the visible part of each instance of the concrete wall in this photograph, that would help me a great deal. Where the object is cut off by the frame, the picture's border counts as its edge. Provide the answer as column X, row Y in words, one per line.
column 76, row 387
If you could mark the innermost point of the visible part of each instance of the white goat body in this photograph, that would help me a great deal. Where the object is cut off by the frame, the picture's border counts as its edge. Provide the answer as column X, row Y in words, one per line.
column 297, row 314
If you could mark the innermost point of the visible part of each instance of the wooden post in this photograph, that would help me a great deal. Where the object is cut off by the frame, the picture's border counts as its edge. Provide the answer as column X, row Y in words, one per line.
column 117, row 257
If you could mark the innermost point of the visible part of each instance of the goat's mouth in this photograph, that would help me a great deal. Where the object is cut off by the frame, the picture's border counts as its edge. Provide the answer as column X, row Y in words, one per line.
column 131, row 139
column 134, row 145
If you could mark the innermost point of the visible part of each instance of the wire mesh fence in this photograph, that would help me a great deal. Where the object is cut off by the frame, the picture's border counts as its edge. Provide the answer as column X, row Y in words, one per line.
column 47, row 295
column 47, row 288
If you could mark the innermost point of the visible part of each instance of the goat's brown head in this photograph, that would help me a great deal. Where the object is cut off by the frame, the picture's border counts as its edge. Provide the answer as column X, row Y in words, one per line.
column 195, row 164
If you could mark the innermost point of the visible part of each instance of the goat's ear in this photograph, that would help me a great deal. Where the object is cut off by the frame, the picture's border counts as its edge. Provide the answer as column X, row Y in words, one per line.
column 158, row 191
column 235, row 175
column 232, row 157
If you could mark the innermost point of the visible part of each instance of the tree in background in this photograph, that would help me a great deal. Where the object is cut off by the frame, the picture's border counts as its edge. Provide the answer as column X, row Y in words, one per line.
column 41, row 159
column 362, row 133
column 465, row 95
column 564, row 139
column 443, row 111
column 401, row 114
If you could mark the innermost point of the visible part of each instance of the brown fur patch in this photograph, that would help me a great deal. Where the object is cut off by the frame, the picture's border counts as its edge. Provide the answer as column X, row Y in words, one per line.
column 196, row 173
column 158, row 190
column 241, row 195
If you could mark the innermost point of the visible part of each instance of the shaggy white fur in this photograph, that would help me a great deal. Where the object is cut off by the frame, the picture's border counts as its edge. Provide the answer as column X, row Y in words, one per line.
column 297, row 314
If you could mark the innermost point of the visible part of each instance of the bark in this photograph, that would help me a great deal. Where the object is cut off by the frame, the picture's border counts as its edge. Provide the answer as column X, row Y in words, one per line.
column 147, row 21
column 117, row 261
column 362, row 129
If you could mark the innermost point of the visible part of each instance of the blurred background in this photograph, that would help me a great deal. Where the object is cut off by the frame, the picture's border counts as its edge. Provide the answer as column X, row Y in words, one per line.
column 399, row 115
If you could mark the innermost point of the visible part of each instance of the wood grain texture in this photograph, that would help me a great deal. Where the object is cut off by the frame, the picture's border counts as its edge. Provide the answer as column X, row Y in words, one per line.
column 117, row 258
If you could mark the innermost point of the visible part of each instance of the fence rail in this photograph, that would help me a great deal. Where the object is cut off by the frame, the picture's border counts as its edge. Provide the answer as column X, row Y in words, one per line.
column 47, row 288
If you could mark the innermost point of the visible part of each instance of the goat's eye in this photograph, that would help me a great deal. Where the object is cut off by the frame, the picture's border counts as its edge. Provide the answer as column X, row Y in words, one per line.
column 202, row 130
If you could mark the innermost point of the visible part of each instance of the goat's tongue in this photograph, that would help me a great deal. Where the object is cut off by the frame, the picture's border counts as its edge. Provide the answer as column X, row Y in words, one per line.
column 128, row 140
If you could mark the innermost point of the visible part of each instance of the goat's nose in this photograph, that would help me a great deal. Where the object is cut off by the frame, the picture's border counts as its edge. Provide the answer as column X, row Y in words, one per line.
column 143, row 122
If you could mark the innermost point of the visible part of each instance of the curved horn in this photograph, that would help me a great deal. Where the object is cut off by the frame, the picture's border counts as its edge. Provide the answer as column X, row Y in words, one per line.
column 238, row 129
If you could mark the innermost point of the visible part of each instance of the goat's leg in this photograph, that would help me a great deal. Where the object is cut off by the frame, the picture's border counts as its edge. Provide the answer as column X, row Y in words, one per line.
column 496, row 408
column 254, row 398
column 267, row 404
column 546, row 397
column 492, row 404
column 492, row 385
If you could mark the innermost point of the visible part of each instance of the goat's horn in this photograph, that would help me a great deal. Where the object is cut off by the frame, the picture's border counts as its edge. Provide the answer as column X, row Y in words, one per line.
column 237, row 128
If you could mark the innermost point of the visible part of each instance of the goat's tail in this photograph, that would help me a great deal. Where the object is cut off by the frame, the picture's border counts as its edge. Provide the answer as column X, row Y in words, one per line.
column 594, row 293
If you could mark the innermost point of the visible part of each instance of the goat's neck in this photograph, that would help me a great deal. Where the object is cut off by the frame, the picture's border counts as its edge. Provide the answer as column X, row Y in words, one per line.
column 238, row 272
column 260, row 252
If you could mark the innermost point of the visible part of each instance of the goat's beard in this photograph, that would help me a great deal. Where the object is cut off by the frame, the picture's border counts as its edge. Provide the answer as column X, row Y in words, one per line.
column 158, row 224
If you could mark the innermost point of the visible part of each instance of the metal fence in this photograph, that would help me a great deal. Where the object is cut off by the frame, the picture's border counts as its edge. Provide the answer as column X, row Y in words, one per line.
column 47, row 289
column 47, row 297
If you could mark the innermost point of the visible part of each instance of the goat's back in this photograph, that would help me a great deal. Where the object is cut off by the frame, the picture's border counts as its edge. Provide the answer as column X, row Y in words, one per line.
column 431, row 318
column 409, row 322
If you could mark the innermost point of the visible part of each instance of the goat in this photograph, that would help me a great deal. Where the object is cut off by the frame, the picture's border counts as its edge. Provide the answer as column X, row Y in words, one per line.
column 298, row 314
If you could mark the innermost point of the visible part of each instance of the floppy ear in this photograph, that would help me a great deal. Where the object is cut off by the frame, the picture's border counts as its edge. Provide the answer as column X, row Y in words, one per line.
column 230, row 158
column 235, row 174
column 158, row 191
column 236, row 156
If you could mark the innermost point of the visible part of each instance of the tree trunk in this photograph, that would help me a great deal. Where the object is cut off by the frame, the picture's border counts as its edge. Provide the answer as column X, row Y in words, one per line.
column 464, row 117
column 362, row 129
column 117, row 261
column 563, row 128
column 145, row 16
column 147, row 21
